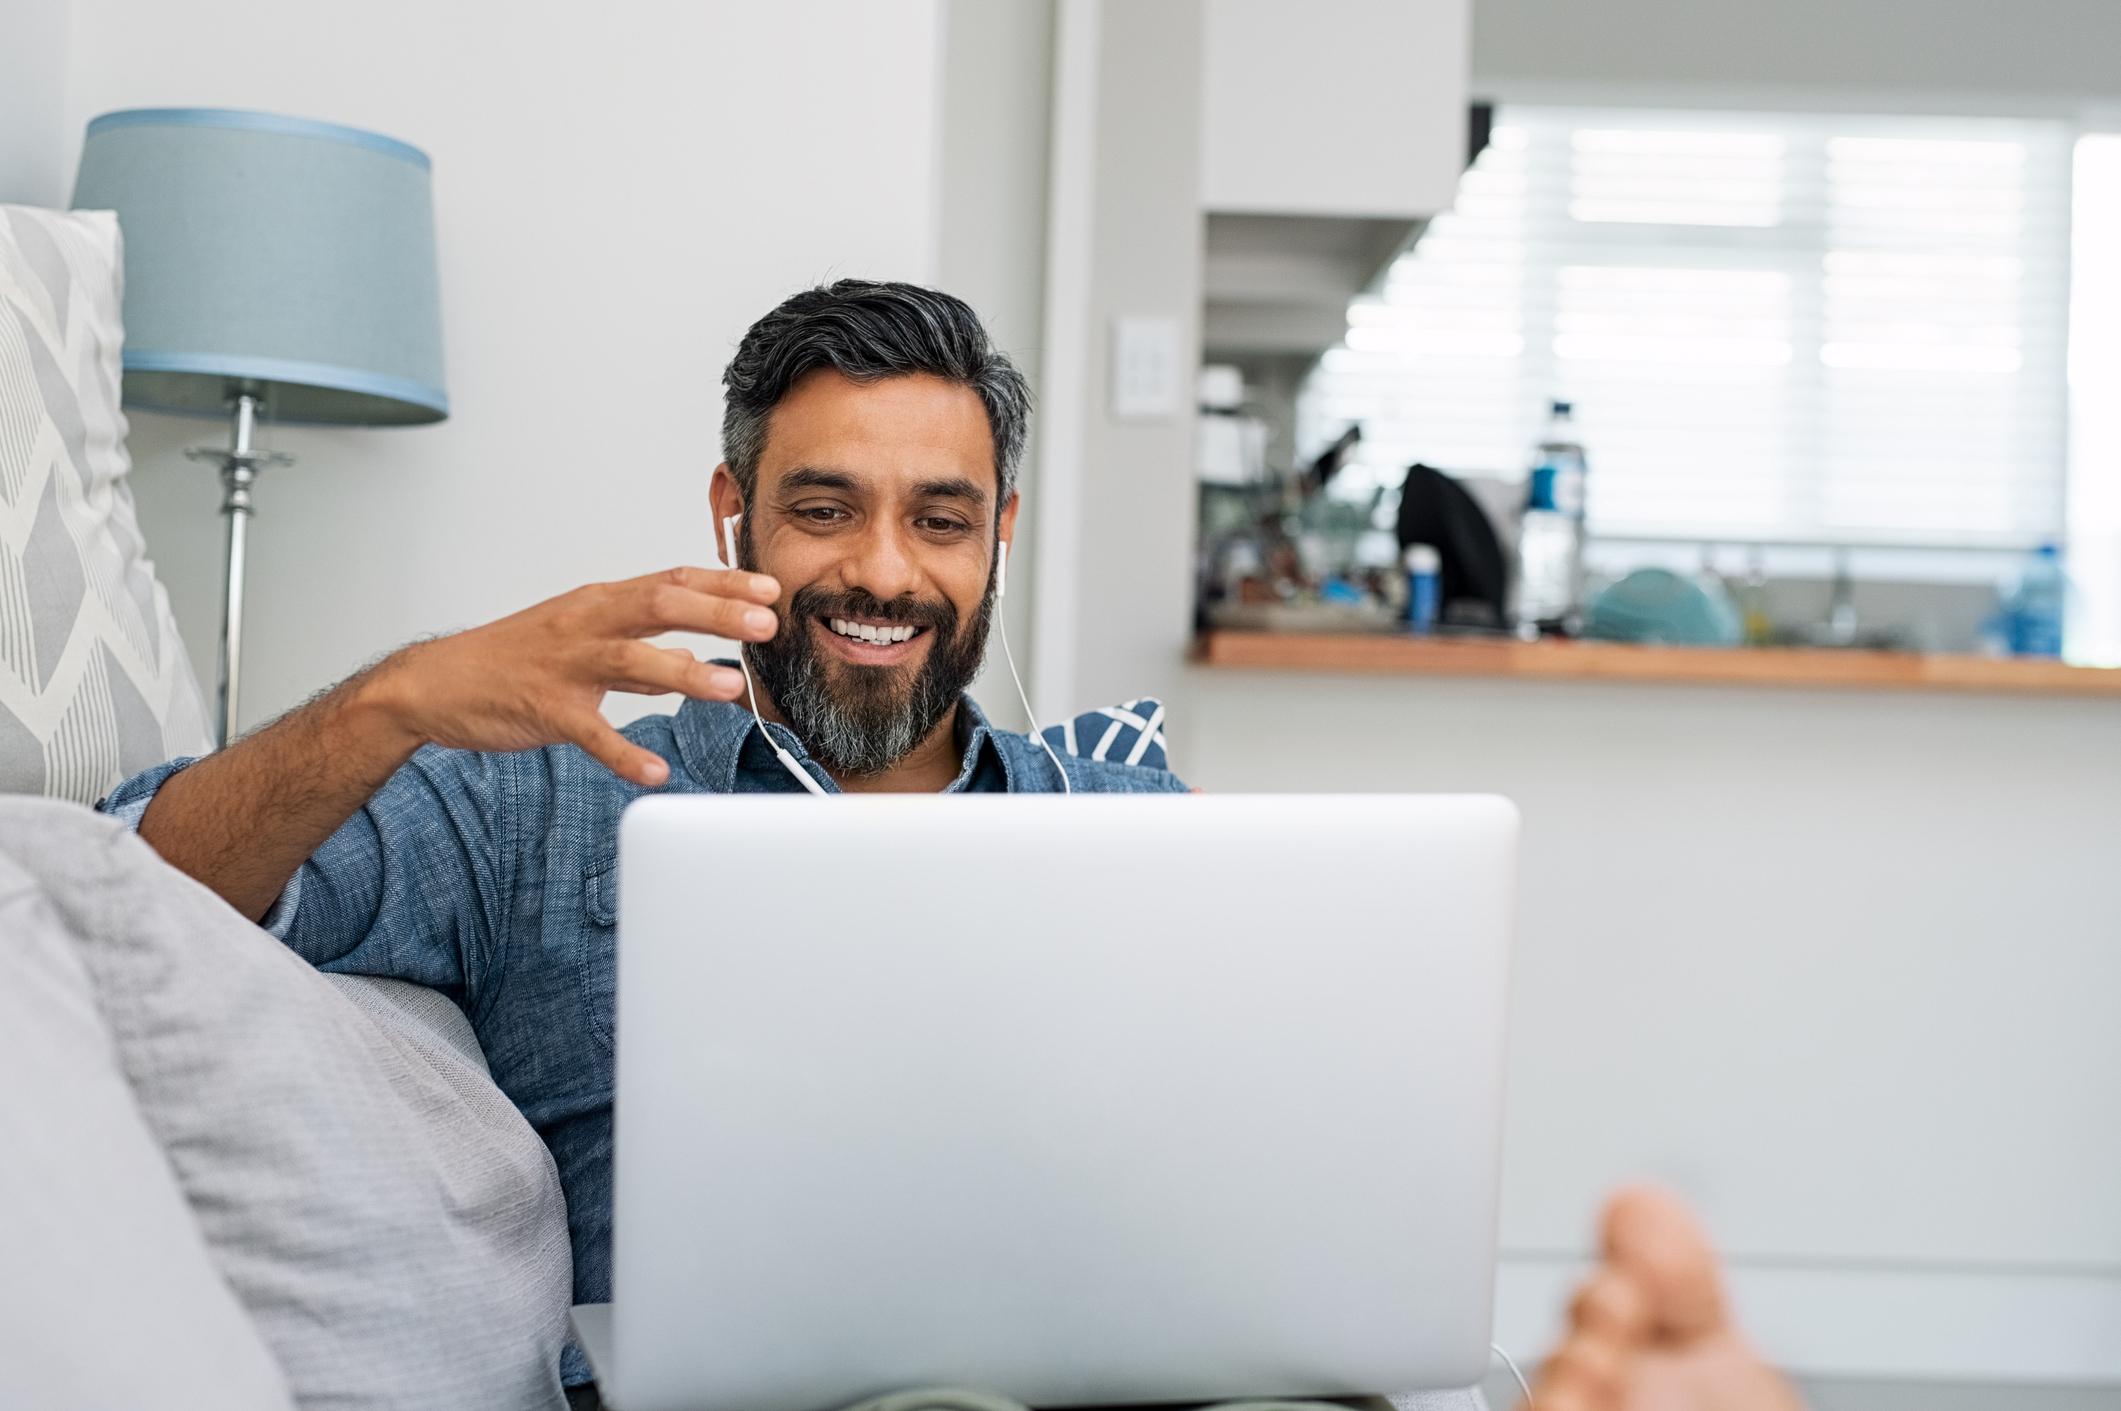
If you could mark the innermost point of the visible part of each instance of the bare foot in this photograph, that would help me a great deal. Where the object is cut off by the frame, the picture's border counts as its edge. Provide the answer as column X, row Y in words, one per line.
column 1650, row 1330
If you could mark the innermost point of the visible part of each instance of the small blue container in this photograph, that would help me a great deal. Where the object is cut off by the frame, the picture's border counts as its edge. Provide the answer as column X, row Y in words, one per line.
column 1424, row 587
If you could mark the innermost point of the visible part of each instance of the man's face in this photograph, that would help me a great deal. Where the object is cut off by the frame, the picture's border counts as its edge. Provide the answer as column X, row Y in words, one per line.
column 874, row 507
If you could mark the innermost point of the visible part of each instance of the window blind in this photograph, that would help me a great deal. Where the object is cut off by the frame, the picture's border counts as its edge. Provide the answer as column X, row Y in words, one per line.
column 1777, row 327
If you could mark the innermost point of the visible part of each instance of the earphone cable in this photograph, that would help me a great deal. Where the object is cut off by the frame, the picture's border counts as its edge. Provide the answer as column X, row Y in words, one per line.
column 788, row 761
column 1001, row 623
column 751, row 691
column 1511, row 1363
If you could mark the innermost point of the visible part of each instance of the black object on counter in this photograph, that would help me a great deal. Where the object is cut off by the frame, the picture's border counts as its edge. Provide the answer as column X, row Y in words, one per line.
column 1331, row 459
column 1435, row 509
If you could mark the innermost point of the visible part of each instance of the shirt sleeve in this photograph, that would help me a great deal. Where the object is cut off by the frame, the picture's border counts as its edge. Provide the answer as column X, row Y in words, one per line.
column 128, row 804
column 414, row 886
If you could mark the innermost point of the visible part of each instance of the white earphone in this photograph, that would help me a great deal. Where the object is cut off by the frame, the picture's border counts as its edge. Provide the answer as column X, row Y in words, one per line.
column 787, row 760
column 1001, row 625
column 1001, row 590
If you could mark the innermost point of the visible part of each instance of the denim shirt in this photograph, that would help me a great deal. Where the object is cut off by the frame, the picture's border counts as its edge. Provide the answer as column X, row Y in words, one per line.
column 492, row 877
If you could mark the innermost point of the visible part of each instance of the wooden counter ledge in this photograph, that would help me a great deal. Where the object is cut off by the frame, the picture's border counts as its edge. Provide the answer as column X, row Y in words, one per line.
column 1391, row 653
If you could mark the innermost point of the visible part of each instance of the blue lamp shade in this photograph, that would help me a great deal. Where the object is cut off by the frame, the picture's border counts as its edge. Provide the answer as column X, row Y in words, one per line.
column 294, row 256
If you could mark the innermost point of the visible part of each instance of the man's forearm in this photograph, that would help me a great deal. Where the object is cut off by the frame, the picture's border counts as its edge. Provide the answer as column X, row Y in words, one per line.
column 243, row 820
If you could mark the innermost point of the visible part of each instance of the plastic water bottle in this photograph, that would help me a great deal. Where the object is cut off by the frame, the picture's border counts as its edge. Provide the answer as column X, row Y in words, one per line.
column 1424, row 567
column 2035, row 610
column 1550, row 536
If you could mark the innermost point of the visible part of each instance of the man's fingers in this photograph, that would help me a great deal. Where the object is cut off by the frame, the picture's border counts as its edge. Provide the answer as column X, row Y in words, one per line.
column 646, row 670
column 738, row 583
column 657, row 605
column 618, row 754
column 721, row 582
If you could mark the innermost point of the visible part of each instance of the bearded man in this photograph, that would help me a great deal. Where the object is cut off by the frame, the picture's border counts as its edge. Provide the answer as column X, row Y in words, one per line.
column 450, row 815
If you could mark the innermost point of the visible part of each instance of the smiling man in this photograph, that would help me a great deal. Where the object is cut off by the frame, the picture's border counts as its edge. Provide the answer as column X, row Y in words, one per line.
column 885, row 491
column 450, row 815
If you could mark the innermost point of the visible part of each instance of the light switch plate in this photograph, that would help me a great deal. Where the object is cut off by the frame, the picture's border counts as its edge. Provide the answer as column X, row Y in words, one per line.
column 1148, row 367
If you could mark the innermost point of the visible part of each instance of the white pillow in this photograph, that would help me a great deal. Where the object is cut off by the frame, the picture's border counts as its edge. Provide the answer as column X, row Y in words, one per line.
column 391, row 1224
column 94, row 681
column 111, row 1297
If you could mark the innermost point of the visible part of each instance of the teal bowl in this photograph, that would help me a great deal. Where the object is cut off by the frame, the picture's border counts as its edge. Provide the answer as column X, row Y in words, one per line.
column 1660, row 606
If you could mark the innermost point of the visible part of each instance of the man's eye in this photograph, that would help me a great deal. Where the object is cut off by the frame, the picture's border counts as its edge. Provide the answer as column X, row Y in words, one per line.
column 820, row 514
column 940, row 525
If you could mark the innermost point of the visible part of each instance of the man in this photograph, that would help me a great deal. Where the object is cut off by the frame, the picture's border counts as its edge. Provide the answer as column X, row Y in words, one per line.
column 449, row 816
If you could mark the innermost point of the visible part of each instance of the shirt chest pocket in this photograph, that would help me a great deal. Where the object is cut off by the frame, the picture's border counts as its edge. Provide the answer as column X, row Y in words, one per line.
column 599, row 949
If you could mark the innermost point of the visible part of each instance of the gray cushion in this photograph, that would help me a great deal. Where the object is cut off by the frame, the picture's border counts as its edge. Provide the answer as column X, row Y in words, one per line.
column 94, row 681
column 110, row 1297
column 388, row 1219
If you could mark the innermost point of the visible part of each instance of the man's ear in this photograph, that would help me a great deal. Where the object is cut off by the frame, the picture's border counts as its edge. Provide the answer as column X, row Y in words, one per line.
column 1006, row 528
column 723, row 497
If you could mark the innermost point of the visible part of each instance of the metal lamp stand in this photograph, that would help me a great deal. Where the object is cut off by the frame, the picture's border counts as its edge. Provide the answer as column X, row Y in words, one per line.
column 240, row 462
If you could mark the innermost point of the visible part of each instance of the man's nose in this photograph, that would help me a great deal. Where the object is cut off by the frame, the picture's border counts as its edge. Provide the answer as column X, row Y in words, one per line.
column 884, row 565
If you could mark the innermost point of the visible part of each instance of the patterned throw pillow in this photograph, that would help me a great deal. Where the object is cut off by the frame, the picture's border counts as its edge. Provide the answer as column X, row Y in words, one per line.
column 94, row 681
column 1125, row 734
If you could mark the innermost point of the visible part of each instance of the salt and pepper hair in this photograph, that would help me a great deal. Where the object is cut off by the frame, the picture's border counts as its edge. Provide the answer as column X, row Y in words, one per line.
column 868, row 330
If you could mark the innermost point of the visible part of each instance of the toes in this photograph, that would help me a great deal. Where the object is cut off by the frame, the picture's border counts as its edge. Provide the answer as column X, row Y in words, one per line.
column 1613, row 1305
column 1650, row 1235
column 1586, row 1373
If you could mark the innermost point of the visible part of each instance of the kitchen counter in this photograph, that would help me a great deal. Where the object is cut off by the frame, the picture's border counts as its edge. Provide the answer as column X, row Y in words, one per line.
column 1395, row 653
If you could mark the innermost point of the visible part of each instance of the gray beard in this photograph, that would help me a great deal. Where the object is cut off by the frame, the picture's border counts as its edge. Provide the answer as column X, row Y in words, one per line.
column 857, row 739
column 861, row 727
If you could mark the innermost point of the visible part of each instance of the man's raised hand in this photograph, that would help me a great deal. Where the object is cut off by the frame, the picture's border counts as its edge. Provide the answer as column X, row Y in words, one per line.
column 538, row 677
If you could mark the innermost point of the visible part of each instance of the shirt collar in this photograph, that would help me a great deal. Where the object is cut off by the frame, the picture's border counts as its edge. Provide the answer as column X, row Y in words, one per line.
column 718, row 741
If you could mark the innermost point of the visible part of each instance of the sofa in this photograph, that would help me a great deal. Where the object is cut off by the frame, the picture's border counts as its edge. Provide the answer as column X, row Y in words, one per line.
column 230, row 1180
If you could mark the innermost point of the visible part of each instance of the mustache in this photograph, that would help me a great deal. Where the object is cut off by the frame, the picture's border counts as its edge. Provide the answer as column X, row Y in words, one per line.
column 813, row 601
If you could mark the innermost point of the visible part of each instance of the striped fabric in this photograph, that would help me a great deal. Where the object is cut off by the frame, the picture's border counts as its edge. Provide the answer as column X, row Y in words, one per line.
column 1132, row 733
column 94, row 682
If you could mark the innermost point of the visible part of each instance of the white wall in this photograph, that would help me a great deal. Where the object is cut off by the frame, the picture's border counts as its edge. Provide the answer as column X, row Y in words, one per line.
column 1114, row 609
column 619, row 189
column 1955, row 51
column 1840, row 967
column 1273, row 142
column 32, row 102
column 991, row 238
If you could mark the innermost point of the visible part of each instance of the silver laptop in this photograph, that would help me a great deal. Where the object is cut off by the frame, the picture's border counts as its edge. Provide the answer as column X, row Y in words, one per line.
column 1084, row 1101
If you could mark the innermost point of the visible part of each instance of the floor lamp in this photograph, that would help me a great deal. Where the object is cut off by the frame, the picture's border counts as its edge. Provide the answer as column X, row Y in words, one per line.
column 276, row 269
